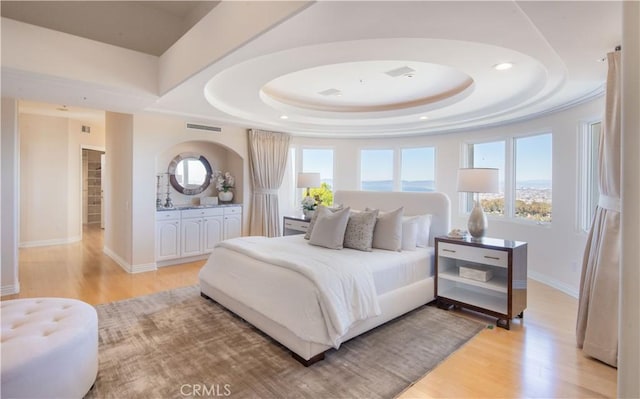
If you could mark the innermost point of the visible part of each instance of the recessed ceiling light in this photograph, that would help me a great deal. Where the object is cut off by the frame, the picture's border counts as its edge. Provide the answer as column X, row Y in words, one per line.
column 284, row 117
column 503, row 66
column 424, row 118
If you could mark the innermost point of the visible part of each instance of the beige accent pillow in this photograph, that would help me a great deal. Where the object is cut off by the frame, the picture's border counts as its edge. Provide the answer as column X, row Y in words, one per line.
column 359, row 232
column 315, row 216
column 329, row 228
column 388, row 231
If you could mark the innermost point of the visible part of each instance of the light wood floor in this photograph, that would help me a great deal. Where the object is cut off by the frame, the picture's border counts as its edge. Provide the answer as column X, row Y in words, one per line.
column 536, row 358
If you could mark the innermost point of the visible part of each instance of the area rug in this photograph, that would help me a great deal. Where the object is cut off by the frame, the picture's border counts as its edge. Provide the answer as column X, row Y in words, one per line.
column 176, row 344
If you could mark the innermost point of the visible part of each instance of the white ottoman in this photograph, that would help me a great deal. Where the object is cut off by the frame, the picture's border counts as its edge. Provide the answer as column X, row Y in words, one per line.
column 49, row 348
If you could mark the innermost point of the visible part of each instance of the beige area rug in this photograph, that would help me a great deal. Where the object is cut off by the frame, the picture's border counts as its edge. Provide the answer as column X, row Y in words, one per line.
column 176, row 344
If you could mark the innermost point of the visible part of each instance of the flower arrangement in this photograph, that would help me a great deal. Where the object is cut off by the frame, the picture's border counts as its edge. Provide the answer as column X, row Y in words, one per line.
column 309, row 203
column 224, row 181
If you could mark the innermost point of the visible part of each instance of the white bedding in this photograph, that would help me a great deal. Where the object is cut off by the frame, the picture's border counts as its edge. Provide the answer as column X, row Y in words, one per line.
column 345, row 288
column 292, row 300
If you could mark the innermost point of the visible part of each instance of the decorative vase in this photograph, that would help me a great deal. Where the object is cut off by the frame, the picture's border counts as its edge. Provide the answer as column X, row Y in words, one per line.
column 225, row 196
column 308, row 213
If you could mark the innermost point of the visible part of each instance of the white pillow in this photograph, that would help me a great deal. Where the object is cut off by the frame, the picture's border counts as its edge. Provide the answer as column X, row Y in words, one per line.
column 329, row 228
column 409, row 233
column 424, row 230
column 388, row 231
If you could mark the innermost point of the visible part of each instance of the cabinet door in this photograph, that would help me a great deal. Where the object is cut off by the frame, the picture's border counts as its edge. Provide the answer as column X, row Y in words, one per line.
column 232, row 226
column 213, row 228
column 167, row 239
column 191, row 237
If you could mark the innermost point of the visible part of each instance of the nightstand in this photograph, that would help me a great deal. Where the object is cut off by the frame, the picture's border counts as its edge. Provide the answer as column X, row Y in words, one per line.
column 294, row 225
column 487, row 276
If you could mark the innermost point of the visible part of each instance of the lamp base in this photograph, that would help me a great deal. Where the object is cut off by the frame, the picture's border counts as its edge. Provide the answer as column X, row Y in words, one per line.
column 477, row 224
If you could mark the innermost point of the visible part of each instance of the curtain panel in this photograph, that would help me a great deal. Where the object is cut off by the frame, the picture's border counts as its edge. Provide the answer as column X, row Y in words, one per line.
column 267, row 162
column 597, row 321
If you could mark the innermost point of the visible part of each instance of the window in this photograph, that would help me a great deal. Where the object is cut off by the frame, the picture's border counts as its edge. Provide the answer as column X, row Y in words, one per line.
column 418, row 169
column 320, row 160
column 489, row 155
column 376, row 170
column 533, row 178
column 590, row 174
column 525, row 176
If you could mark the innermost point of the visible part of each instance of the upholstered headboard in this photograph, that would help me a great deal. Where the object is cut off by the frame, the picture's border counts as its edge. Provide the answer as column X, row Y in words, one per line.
column 436, row 204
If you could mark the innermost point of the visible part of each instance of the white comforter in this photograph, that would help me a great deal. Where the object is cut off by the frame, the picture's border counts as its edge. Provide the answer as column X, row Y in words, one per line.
column 345, row 287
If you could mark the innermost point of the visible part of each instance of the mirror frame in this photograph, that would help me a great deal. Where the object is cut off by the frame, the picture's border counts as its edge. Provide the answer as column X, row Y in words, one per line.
column 172, row 173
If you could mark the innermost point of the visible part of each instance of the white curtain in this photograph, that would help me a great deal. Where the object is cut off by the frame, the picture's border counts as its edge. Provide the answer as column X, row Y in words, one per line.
column 268, row 153
column 597, row 322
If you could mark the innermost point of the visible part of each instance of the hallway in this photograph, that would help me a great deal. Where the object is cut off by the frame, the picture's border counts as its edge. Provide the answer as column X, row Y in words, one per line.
column 81, row 270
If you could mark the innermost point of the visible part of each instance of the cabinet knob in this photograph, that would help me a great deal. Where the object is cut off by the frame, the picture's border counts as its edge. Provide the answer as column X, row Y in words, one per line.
column 491, row 257
column 448, row 250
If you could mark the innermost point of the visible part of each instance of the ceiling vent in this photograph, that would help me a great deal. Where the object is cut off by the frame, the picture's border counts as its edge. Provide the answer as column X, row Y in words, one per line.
column 330, row 92
column 402, row 71
column 197, row 126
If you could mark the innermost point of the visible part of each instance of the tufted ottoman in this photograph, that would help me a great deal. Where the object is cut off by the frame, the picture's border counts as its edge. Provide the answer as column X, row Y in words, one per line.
column 49, row 348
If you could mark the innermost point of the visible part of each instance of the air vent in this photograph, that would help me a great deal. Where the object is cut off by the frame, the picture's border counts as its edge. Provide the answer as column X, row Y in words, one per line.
column 402, row 71
column 196, row 126
column 330, row 92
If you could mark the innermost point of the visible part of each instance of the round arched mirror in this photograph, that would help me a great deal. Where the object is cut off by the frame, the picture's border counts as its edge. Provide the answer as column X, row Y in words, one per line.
column 190, row 173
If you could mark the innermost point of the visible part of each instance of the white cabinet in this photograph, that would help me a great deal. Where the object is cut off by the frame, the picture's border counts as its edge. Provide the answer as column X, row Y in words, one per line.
column 194, row 232
column 232, row 222
column 213, row 232
column 167, row 235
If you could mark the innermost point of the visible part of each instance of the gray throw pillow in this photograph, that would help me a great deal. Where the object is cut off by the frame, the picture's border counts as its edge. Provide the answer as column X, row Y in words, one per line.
column 388, row 231
column 359, row 232
column 329, row 228
column 312, row 223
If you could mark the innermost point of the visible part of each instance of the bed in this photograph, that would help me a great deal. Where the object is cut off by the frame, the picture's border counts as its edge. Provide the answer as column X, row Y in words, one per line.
column 254, row 278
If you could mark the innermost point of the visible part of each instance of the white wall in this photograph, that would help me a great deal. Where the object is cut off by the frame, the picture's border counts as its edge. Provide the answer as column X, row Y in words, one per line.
column 153, row 136
column 119, row 164
column 9, row 172
column 51, row 178
column 555, row 251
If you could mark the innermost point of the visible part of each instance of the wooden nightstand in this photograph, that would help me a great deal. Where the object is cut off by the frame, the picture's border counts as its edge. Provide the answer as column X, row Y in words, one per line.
column 294, row 225
column 462, row 266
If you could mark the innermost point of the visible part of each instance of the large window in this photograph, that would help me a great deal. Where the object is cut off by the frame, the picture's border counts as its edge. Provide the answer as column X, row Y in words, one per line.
column 376, row 170
column 489, row 155
column 533, row 177
column 525, row 165
column 320, row 160
column 590, row 173
column 418, row 169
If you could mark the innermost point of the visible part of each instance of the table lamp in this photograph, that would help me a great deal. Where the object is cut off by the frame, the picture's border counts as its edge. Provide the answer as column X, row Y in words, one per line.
column 308, row 180
column 478, row 180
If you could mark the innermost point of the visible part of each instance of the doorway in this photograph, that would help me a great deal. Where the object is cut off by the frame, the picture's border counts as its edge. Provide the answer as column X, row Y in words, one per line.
column 92, row 188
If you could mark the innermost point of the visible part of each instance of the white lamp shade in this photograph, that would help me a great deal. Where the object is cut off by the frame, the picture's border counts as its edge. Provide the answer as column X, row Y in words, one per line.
column 306, row 180
column 478, row 180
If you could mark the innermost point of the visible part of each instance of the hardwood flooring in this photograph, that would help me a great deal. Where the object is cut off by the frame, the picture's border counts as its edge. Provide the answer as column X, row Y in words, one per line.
column 536, row 358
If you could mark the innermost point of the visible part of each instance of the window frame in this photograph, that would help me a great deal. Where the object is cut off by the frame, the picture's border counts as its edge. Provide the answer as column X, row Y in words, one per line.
column 397, row 164
column 466, row 202
column 435, row 165
column 584, row 218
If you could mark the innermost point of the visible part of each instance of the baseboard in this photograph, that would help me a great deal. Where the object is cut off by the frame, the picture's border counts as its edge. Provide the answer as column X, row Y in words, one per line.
column 177, row 261
column 551, row 282
column 46, row 243
column 10, row 289
column 129, row 268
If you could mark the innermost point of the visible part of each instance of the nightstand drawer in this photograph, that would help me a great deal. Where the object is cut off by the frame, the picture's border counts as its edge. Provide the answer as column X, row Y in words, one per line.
column 296, row 225
column 474, row 254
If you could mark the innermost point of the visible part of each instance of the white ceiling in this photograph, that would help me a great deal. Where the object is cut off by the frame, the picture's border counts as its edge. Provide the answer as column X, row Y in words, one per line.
column 326, row 67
